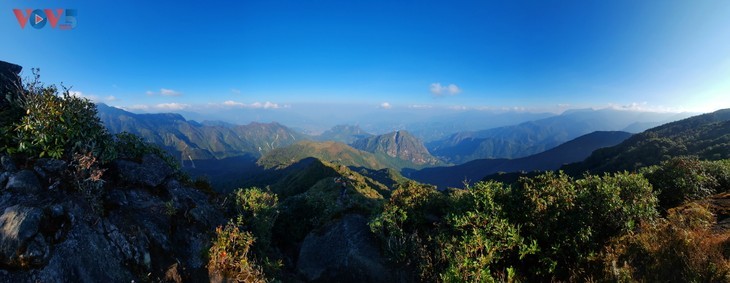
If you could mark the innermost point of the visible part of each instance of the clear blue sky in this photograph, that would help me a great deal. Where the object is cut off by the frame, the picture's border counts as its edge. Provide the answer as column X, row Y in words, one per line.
column 183, row 54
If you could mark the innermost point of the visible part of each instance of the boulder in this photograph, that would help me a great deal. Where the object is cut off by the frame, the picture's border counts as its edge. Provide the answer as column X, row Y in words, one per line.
column 24, row 181
column 9, row 81
column 46, row 167
column 7, row 164
column 21, row 244
column 343, row 251
column 4, row 176
column 151, row 172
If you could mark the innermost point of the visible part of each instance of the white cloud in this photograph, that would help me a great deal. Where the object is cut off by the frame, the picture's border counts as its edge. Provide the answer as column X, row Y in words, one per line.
column 137, row 107
column 458, row 107
column 271, row 105
column 110, row 98
column 169, row 92
column 91, row 97
column 235, row 91
column 233, row 103
column 420, row 106
column 633, row 106
column 265, row 105
column 438, row 90
column 164, row 92
column 172, row 106
column 386, row 105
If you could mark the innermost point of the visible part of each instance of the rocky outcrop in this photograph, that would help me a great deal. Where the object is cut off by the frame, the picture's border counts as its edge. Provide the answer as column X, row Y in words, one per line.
column 398, row 144
column 151, row 227
column 9, row 80
column 344, row 251
column 151, row 172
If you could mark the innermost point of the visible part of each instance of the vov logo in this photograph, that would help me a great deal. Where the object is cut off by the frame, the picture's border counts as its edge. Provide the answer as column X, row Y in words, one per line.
column 39, row 18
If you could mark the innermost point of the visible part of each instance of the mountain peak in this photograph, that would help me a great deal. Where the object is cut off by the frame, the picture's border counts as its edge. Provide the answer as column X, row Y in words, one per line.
column 398, row 144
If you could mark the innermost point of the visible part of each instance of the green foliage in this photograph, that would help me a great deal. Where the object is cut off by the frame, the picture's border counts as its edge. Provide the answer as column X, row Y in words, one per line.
column 573, row 220
column 407, row 227
column 478, row 242
column 230, row 254
column 259, row 209
column 461, row 237
column 170, row 208
column 549, row 227
column 58, row 126
column 687, row 178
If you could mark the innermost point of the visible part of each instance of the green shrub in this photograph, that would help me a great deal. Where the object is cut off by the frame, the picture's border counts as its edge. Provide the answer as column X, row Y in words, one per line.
column 572, row 221
column 59, row 126
column 407, row 222
column 478, row 243
column 230, row 254
column 460, row 237
column 687, row 178
column 260, row 210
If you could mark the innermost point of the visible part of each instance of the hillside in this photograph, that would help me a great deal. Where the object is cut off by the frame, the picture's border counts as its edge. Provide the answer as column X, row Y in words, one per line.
column 473, row 171
column 706, row 136
column 344, row 134
column 192, row 140
column 399, row 144
column 537, row 136
column 335, row 152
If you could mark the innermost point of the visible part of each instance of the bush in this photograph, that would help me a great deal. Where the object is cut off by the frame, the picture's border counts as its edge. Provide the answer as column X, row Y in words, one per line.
column 59, row 126
column 680, row 248
column 683, row 179
column 479, row 244
column 407, row 226
column 572, row 221
column 461, row 237
column 260, row 210
column 229, row 255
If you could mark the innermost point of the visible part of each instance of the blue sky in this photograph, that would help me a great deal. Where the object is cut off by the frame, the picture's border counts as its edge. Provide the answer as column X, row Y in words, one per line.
column 543, row 55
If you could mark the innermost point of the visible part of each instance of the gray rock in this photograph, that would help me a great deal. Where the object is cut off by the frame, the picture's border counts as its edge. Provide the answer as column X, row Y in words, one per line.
column 47, row 167
column 9, row 81
column 24, row 181
column 20, row 242
column 344, row 251
column 85, row 256
column 7, row 164
column 57, row 210
column 4, row 178
column 151, row 172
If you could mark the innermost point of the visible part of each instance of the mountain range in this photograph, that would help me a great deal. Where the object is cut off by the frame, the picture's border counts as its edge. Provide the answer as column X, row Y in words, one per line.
column 344, row 134
column 397, row 145
column 192, row 140
column 473, row 171
column 706, row 136
column 539, row 135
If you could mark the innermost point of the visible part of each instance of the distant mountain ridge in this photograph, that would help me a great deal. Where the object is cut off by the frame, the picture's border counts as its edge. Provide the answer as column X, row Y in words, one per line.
column 344, row 134
column 706, row 136
column 539, row 135
column 334, row 152
column 192, row 140
column 398, row 144
column 473, row 171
